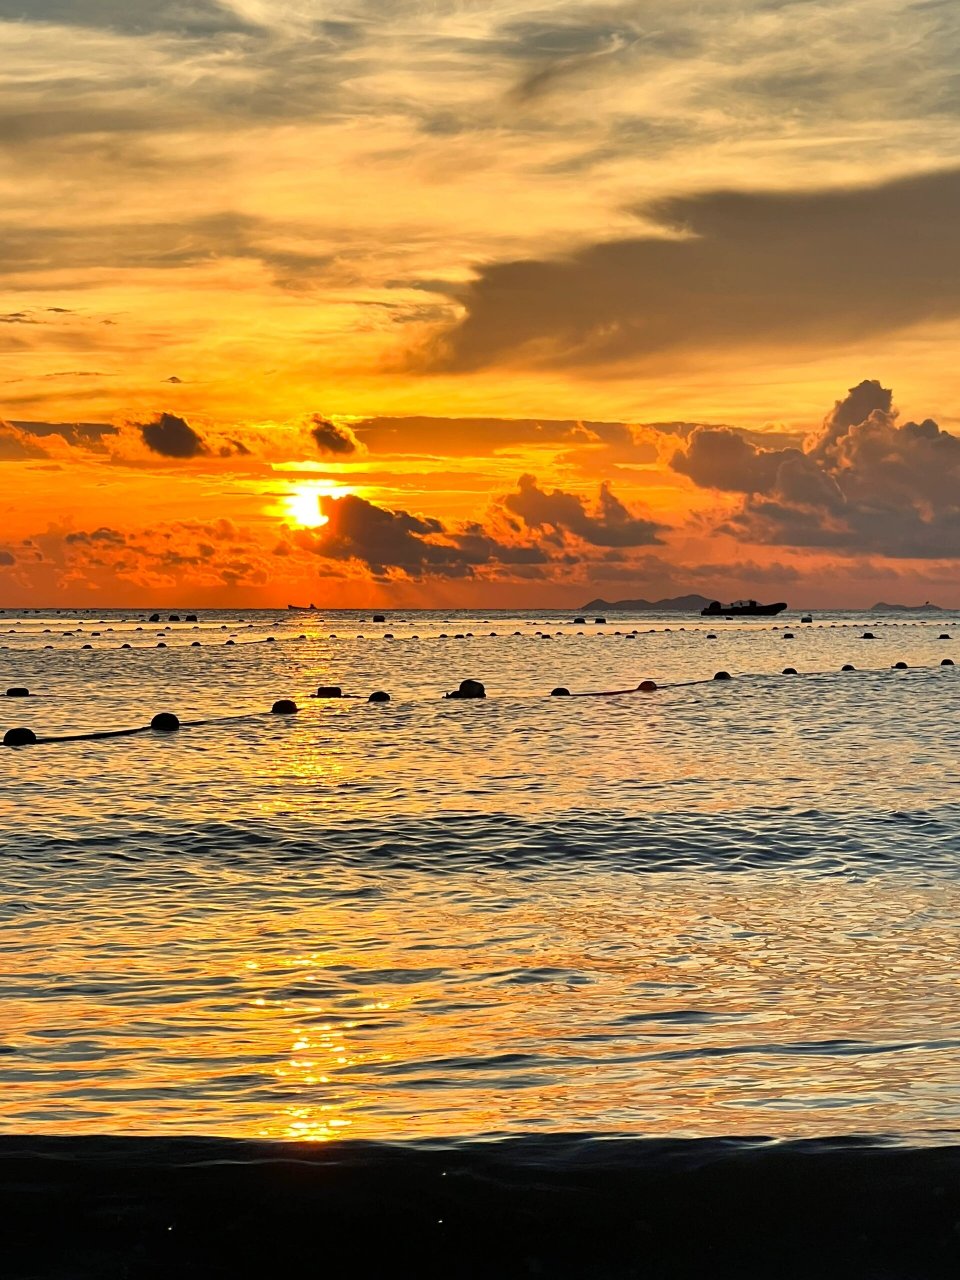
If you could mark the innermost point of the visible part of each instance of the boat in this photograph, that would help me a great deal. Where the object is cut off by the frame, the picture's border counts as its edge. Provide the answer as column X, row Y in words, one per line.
column 303, row 608
column 741, row 609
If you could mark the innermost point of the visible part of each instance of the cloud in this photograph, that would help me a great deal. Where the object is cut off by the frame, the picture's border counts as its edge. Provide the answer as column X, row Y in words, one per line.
column 331, row 438
column 132, row 17
column 172, row 437
column 388, row 542
column 612, row 526
column 728, row 268
column 861, row 484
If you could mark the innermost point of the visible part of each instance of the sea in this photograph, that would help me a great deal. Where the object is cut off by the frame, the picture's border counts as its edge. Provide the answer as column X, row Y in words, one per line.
column 605, row 983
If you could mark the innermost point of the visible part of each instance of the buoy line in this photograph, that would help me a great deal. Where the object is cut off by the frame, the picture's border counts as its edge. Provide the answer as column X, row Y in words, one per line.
column 168, row 722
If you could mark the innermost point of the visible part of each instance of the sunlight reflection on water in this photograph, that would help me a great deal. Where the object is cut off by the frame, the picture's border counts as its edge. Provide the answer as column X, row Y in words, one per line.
column 721, row 909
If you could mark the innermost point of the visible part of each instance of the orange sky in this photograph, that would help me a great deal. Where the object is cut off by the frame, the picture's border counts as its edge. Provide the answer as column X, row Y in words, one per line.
column 376, row 304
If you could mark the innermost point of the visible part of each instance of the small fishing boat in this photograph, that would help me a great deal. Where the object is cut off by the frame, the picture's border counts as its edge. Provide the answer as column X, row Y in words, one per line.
column 741, row 609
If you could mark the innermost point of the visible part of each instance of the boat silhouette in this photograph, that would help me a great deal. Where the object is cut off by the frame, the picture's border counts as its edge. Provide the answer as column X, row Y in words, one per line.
column 741, row 609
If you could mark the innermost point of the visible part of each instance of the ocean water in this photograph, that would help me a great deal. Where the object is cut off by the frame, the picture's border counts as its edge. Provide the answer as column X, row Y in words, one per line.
column 723, row 908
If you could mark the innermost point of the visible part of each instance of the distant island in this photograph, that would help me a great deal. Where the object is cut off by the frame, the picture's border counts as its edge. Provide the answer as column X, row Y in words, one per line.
column 685, row 604
column 882, row 607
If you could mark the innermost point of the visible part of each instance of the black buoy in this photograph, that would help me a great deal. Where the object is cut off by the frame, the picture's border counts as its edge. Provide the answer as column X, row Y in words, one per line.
column 379, row 696
column 560, row 693
column 579, row 622
column 711, row 636
column 723, row 675
column 161, row 645
column 469, row 689
column 18, row 692
column 194, row 644
column 899, row 666
column 229, row 642
column 788, row 635
column 271, row 639
column 947, row 662
column 20, row 737
column 789, row 671
column 124, row 646
column 378, row 617
column 191, row 617
column 388, row 635
column 154, row 617
column 86, row 646
column 600, row 622
column 174, row 617
column 806, row 618
column 284, row 707
column 868, row 635
column 329, row 691
column 943, row 636
column 165, row 722
column 647, row 686
column 848, row 666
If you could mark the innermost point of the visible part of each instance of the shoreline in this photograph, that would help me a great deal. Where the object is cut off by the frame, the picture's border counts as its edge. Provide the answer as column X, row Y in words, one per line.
column 558, row 1206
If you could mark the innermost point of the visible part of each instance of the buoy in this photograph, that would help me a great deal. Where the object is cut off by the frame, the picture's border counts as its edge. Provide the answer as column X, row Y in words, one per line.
column 899, row 666
column 560, row 693
column 601, row 622
column 378, row 617
column 579, row 622
column 646, row 686
column 195, row 644
column 379, row 696
column 271, row 639
column 789, row 671
column 229, row 642
column 86, row 646
column 18, row 692
column 191, row 617
column 868, row 635
column 174, row 617
column 848, row 666
column 788, row 635
column 806, row 618
column 947, row 662
column 284, row 707
column 943, row 636
column 469, row 689
column 154, row 617
column 388, row 635
column 723, row 675
column 124, row 646
column 161, row 645
column 329, row 691
column 20, row 737
column 165, row 722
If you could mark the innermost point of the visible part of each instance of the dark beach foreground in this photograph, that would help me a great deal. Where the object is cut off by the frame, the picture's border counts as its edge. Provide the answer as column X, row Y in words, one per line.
column 553, row 1206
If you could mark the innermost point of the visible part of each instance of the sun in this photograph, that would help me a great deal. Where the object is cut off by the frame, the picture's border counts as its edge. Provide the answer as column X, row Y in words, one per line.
column 302, row 504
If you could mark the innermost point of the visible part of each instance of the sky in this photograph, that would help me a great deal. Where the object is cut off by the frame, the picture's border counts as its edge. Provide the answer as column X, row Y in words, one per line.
column 479, row 304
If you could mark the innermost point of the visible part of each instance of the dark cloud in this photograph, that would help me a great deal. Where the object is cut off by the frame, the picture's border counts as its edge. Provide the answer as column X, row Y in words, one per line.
column 612, row 526
column 132, row 17
column 861, row 484
column 330, row 438
column 733, row 268
column 388, row 542
column 173, row 437
column 88, row 435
